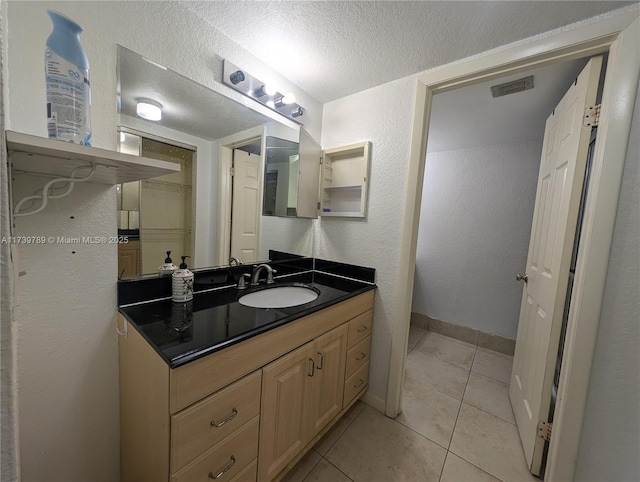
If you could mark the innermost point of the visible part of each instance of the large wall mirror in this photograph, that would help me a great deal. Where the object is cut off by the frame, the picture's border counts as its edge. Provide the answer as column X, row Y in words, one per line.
column 248, row 181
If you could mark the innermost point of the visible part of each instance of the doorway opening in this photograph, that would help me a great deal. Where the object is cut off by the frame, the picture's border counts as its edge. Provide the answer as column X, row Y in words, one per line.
column 240, row 188
column 618, row 36
column 156, row 215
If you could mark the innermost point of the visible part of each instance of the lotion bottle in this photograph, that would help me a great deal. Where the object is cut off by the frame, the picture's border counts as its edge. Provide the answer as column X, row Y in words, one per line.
column 182, row 283
column 168, row 267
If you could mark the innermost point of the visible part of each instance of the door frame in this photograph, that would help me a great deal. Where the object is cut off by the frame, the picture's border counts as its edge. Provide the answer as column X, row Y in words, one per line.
column 226, row 146
column 617, row 35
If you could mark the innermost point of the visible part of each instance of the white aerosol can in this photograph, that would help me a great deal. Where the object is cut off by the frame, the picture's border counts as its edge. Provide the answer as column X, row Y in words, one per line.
column 66, row 68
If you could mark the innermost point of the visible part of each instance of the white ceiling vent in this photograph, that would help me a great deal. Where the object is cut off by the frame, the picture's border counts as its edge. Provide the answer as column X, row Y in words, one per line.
column 512, row 87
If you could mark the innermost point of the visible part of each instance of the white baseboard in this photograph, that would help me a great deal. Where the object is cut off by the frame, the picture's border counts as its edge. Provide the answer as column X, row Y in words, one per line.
column 374, row 402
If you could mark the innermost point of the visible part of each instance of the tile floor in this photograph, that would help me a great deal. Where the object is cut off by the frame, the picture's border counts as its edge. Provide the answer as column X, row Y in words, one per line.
column 456, row 425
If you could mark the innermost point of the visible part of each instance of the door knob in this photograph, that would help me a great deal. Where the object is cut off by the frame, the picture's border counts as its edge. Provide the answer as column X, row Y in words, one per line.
column 520, row 277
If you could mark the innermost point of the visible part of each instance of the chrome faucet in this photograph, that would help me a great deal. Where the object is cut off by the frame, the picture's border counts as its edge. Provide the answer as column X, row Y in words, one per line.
column 255, row 279
column 235, row 260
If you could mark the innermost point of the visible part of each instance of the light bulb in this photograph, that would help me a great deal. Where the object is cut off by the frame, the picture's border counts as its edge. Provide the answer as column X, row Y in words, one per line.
column 285, row 100
column 264, row 90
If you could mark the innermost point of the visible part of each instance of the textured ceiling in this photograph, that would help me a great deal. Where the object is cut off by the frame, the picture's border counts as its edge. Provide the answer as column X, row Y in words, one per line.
column 332, row 49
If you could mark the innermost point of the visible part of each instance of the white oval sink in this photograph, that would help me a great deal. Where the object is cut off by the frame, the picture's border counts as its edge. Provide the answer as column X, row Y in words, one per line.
column 279, row 297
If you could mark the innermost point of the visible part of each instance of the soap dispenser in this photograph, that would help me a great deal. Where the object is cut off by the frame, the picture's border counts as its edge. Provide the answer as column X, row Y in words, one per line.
column 168, row 267
column 182, row 283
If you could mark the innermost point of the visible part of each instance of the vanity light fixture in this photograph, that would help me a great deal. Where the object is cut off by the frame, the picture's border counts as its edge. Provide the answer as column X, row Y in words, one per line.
column 237, row 77
column 259, row 91
column 285, row 100
column 149, row 110
column 263, row 90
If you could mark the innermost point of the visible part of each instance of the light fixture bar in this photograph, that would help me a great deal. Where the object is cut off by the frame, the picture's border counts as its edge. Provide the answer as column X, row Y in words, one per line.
column 282, row 103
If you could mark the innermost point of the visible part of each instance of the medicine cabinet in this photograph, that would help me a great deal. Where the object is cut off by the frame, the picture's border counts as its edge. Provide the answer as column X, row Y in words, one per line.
column 344, row 180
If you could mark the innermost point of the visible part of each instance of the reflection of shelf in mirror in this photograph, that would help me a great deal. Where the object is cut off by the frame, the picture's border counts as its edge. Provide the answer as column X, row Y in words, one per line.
column 343, row 188
column 165, row 183
column 50, row 157
column 344, row 214
column 177, row 230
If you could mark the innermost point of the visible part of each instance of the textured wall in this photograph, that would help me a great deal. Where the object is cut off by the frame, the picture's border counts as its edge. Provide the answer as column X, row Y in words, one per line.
column 383, row 116
column 67, row 352
column 610, row 441
column 475, row 221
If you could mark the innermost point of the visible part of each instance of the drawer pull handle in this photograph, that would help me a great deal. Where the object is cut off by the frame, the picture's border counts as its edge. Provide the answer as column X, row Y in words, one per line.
column 223, row 471
column 312, row 367
column 358, row 385
column 228, row 419
column 362, row 329
column 321, row 364
column 361, row 356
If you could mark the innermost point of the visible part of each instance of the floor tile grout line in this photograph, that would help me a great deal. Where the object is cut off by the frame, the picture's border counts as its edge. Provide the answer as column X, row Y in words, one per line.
column 312, row 468
column 484, row 375
column 337, row 468
column 445, row 361
column 421, row 435
column 486, row 411
column 471, row 463
column 446, row 456
column 435, row 389
column 343, row 432
column 455, row 424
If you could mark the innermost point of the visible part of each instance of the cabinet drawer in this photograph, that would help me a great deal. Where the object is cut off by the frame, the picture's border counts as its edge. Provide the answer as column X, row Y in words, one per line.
column 359, row 328
column 355, row 384
column 200, row 427
column 358, row 356
column 230, row 456
column 248, row 474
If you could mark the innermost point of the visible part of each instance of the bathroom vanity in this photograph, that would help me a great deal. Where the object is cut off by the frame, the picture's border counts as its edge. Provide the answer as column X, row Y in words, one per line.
column 220, row 391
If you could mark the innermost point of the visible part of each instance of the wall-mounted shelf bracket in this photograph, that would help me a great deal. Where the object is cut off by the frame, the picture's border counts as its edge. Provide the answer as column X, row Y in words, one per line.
column 70, row 163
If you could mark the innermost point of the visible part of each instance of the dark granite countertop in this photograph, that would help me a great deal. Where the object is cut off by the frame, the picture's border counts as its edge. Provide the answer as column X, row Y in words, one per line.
column 214, row 320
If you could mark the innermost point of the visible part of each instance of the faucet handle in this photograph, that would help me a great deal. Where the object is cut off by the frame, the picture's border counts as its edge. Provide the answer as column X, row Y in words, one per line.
column 270, row 276
column 242, row 285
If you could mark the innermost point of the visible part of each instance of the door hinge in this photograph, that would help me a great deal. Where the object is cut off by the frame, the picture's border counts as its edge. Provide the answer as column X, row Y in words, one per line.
column 321, row 160
column 232, row 171
column 591, row 116
column 318, row 205
column 544, row 430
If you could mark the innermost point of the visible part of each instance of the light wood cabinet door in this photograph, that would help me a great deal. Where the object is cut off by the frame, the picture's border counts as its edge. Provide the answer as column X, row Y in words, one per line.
column 284, row 427
column 328, row 381
column 129, row 259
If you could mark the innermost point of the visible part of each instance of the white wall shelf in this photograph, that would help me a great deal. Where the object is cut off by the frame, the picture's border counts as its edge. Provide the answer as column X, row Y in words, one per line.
column 49, row 157
column 344, row 181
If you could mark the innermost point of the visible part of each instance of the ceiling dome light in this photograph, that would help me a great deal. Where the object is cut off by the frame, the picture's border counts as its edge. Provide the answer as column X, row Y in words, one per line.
column 149, row 111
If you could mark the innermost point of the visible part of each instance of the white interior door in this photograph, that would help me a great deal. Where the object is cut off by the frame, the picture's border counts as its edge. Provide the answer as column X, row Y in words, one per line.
column 246, row 206
column 562, row 168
